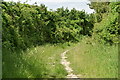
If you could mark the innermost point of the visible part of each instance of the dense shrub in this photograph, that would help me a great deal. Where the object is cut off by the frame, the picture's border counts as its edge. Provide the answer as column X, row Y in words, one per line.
column 27, row 25
column 108, row 29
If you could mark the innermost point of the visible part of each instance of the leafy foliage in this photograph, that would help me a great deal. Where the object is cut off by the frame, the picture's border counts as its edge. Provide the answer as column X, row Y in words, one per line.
column 27, row 25
column 107, row 30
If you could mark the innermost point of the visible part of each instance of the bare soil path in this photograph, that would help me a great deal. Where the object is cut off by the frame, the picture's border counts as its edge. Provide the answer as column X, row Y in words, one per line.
column 66, row 64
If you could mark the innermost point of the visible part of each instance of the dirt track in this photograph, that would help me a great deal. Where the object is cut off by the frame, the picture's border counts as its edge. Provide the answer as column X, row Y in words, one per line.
column 66, row 64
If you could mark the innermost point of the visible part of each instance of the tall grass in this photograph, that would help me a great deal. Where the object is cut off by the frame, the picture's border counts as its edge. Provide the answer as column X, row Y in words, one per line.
column 88, row 60
column 94, row 60
column 39, row 62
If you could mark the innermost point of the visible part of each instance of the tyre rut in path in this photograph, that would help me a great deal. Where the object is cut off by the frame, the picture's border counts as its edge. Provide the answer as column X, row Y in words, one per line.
column 66, row 64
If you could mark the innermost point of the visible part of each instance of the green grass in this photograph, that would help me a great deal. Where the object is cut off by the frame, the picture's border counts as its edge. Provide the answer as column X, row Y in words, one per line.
column 0, row 63
column 39, row 62
column 88, row 60
column 94, row 60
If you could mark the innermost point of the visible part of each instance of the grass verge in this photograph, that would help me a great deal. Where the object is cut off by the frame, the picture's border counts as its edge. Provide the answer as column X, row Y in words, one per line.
column 39, row 62
column 94, row 60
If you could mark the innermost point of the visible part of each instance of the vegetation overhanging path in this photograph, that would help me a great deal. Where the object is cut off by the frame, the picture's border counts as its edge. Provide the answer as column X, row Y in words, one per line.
column 66, row 64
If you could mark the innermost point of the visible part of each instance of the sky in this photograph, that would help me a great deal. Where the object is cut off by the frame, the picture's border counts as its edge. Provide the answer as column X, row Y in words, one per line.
column 54, row 4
